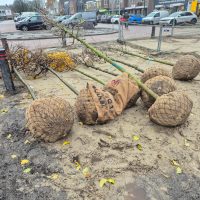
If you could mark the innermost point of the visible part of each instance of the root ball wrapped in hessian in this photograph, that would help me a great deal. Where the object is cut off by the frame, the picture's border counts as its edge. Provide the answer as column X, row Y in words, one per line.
column 49, row 119
column 160, row 85
column 95, row 105
column 152, row 72
column 171, row 109
column 85, row 108
column 186, row 68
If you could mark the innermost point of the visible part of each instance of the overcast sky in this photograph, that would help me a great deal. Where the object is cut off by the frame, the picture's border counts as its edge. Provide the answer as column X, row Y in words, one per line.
column 4, row 2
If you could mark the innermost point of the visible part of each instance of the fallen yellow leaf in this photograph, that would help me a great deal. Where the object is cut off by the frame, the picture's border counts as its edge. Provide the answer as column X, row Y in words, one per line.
column 136, row 138
column 110, row 180
column 186, row 143
column 13, row 156
column 24, row 162
column 9, row 136
column 66, row 142
column 1, row 96
column 4, row 110
column 78, row 166
column 175, row 163
column 139, row 146
column 86, row 172
column 54, row 176
column 27, row 170
column 103, row 181
column 27, row 142
column 178, row 170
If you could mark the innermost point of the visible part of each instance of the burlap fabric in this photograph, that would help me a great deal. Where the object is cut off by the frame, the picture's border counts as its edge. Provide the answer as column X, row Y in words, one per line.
column 186, row 68
column 160, row 85
column 171, row 109
column 152, row 72
column 49, row 119
column 109, row 102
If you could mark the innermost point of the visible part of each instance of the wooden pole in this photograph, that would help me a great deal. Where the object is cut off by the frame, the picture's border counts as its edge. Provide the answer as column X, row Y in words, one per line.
column 27, row 86
column 67, row 84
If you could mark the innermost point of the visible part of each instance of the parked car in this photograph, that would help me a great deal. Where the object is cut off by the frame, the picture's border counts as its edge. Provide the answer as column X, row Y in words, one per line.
column 179, row 17
column 135, row 19
column 155, row 16
column 115, row 19
column 81, row 16
column 31, row 23
column 59, row 19
column 106, row 19
column 25, row 15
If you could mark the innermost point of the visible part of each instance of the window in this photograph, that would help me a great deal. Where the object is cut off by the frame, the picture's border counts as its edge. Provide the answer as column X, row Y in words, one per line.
column 157, row 15
column 33, row 19
column 188, row 14
column 105, row 2
column 183, row 14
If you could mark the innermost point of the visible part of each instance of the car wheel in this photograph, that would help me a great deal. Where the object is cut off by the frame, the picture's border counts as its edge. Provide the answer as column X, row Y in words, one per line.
column 116, row 22
column 24, row 28
column 151, row 23
column 194, row 21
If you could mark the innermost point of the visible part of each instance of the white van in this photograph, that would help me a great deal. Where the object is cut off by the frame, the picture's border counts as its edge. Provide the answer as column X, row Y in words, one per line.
column 155, row 16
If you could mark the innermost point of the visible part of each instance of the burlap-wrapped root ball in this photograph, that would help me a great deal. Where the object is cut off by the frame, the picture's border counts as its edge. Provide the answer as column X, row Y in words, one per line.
column 152, row 72
column 171, row 109
column 49, row 119
column 160, row 85
column 186, row 68
column 85, row 108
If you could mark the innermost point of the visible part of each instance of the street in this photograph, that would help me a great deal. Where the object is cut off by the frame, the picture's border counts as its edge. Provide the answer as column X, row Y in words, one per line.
column 133, row 32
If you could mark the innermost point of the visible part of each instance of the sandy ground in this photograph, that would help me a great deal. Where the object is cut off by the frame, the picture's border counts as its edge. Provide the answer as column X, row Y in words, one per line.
column 108, row 150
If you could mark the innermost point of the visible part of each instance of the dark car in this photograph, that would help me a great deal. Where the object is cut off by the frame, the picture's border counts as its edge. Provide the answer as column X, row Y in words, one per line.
column 31, row 23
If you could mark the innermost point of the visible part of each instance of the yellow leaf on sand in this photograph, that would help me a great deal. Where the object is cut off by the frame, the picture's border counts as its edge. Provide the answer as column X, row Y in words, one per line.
column 78, row 166
column 54, row 176
column 178, row 170
column 27, row 170
column 186, row 143
column 24, row 162
column 136, row 138
column 110, row 180
column 9, row 136
column 4, row 110
column 66, row 142
column 103, row 181
column 139, row 146
column 13, row 156
column 1, row 96
column 27, row 142
column 175, row 163
column 86, row 172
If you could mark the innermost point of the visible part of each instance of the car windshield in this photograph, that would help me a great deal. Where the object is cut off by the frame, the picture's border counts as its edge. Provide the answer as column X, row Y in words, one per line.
column 174, row 14
column 151, row 14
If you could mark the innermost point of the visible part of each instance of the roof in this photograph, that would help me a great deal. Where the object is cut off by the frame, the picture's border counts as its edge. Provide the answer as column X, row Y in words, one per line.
column 4, row 8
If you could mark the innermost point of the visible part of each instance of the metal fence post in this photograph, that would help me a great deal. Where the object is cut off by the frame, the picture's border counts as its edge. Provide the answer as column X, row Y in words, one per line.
column 5, row 71
column 172, row 31
column 153, row 31
column 159, row 39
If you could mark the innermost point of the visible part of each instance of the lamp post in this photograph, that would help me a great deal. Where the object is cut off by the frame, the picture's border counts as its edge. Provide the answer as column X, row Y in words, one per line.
column 144, row 9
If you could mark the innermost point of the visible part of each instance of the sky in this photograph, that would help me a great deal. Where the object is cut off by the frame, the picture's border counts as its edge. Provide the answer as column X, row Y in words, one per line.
column 4, row 2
